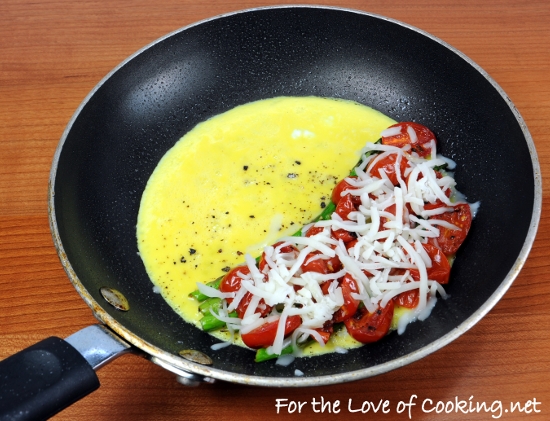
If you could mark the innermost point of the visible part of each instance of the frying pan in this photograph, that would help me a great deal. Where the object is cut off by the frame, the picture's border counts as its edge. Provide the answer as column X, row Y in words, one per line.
column 136, row 114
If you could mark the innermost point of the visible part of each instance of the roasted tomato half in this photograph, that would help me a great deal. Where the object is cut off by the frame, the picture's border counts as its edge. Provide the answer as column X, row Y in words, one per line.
column 450, row 240
column 388, row 164
column 264, row 335
column 349, row 286
column 368, row 327
column 420, row 140
column 231, row 282
column 289, row 248
column 408, row 299
column 441, row 268
column 313, row 263
column 342, row 186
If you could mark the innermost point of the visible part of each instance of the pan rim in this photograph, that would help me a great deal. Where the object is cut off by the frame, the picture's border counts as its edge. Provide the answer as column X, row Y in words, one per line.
column 181, row 364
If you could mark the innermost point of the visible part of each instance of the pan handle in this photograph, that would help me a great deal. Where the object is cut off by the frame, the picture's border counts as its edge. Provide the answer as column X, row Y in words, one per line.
column 41, row 380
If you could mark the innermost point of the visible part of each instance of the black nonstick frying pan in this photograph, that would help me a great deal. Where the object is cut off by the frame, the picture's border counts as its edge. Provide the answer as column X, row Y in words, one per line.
column 128, row 122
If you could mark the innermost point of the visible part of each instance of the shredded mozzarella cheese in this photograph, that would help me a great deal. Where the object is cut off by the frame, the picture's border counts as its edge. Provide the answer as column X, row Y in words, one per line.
column 391, row 225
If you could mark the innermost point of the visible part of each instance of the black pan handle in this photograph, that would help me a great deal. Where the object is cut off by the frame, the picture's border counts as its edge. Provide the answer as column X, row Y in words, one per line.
column 38, row 382
column 41, row 380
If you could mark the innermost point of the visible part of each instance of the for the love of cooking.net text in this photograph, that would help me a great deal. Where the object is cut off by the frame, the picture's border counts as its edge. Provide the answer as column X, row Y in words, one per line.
column 495, row 409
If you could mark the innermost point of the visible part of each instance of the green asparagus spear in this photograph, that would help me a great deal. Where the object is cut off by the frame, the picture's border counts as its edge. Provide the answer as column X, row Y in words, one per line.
column 199, row 296
column 327, row 212
column 210, row 303
column 263, row 355
column 209, row 322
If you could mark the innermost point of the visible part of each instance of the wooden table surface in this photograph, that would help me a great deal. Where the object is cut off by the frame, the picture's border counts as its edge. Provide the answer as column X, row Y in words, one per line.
column 52, row 53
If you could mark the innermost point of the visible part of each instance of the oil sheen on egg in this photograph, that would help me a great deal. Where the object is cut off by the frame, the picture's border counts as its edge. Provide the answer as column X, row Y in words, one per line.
column 239, row 181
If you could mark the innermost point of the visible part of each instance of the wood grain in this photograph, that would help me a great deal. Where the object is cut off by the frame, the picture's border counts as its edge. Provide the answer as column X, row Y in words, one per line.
column 52, row 53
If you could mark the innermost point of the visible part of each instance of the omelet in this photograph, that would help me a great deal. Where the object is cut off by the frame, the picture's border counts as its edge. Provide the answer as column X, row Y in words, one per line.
column 239, row 181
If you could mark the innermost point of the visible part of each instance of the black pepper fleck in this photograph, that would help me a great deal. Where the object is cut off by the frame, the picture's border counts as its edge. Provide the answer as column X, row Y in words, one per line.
column 192, row 251
column 226, row 269
column 323, row 204
column 245, row 167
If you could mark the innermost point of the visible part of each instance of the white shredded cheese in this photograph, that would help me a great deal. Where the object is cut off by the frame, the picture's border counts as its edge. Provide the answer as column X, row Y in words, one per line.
column 213, row 292
column 391, row 131
column 220, row 345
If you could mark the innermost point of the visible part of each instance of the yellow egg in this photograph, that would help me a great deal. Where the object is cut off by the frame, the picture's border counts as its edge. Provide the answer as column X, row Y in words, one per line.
column 239, row 181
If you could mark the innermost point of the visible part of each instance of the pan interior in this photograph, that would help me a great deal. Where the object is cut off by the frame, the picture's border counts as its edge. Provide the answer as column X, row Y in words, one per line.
column 139, row 112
